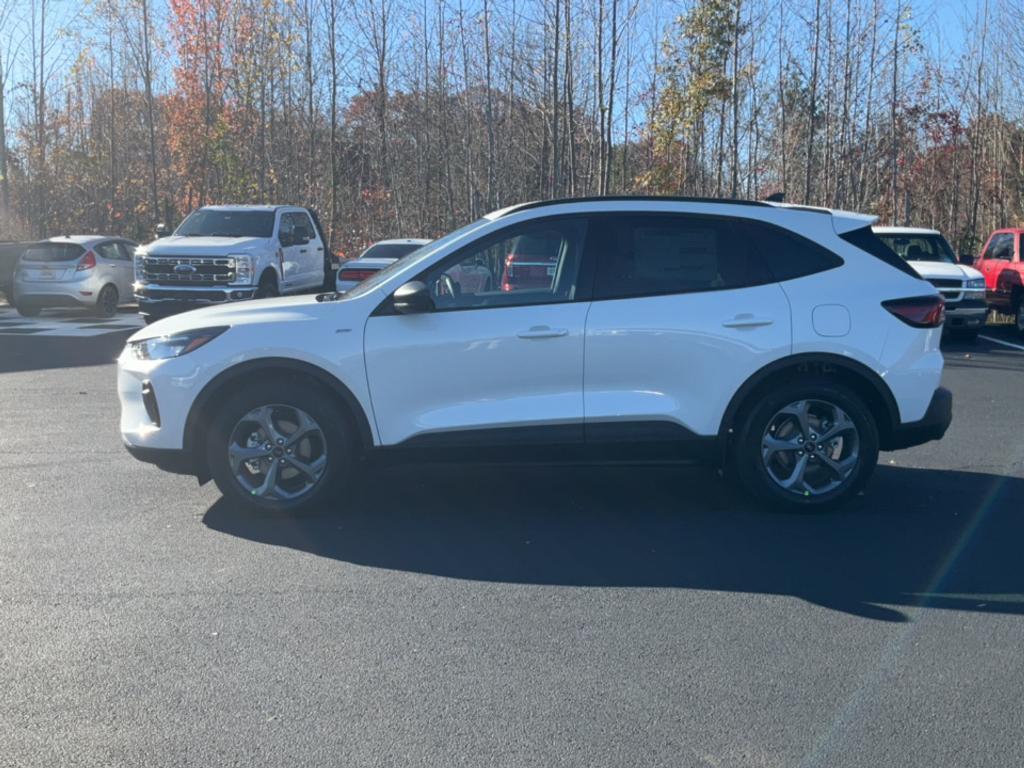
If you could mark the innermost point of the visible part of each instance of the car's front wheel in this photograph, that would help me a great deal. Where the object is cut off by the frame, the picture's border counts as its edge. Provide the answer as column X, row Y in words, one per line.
column 807, row 446
column 281, row 445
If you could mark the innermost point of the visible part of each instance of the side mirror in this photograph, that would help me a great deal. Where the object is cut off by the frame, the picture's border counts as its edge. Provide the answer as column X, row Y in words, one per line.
column 412, row 298
column 966, row 259
column 162, row 230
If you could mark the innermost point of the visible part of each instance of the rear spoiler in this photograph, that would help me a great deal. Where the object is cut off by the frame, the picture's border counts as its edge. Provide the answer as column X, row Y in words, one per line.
column 847, row 221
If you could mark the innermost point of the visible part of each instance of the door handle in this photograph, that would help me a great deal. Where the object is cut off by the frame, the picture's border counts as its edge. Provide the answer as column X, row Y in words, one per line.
column 543, row 332
column 303, row 250
column 747, row 321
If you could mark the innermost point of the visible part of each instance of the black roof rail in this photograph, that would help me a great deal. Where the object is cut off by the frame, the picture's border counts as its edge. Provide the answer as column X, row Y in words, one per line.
column 651, row 198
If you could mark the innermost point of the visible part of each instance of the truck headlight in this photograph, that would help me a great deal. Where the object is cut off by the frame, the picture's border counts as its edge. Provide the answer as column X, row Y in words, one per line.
column 975, row 283
column 175, row 345
column 139, row 261
column 243, row 269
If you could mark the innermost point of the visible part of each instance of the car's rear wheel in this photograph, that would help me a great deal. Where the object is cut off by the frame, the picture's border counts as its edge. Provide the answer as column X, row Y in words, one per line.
column 280, row 446
column 1018, row 316
column 807, row 446
column 107, row 301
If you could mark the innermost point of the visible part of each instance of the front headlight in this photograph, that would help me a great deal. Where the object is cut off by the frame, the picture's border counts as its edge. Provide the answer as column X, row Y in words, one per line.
column 975, row 283
column 139, row 261
column 243, row 269
column 175, row 345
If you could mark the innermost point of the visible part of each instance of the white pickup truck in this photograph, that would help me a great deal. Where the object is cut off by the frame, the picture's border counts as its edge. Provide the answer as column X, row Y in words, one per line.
column 224, row 253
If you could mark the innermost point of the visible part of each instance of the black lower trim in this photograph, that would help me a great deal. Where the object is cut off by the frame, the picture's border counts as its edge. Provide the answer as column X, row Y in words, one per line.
column 932, row 427
column 168, row 459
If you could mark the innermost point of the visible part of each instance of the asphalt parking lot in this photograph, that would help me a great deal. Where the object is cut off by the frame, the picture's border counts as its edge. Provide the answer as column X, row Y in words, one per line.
column 504, row 616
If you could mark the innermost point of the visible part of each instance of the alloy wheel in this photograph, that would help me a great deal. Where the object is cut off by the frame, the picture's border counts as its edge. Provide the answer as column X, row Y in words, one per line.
column 810, row 447
column 277, row 452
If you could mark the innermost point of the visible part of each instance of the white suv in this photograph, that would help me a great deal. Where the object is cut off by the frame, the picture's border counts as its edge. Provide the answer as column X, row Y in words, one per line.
column 783, row 342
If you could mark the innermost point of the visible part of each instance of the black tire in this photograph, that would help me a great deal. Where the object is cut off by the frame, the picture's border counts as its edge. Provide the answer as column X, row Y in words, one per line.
column 750, row 462
column 267, row 288
column 336, row 428
column 1018, row 316
column 107, row 301
column 149, row 319
column 28, row 310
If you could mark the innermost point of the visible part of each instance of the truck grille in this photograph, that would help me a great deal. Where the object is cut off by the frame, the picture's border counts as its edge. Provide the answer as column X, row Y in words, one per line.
column 189, row 270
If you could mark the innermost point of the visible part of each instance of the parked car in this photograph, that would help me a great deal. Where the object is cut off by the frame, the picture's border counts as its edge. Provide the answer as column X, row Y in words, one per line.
column 531, row 263
column 673, row 327
column 379, row 255
column 92, row 271
column 9, row 254
column 1001, row 264
column 962, row 286
column 226, row 253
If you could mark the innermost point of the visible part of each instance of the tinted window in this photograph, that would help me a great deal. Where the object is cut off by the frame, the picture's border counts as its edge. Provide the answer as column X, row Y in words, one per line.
column 786, row 255
column 647, row 255
column 389, row 250
column 919, row 247
column 865, row 239
column 53, row 252
column 208, row 222
column 506, row 269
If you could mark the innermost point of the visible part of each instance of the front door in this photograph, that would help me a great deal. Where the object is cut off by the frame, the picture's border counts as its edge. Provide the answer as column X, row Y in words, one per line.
column 997, row 256
column 489, row 363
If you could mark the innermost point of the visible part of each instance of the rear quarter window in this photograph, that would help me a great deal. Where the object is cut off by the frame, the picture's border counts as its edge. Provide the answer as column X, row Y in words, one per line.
column 787, row 255
column 865, row 239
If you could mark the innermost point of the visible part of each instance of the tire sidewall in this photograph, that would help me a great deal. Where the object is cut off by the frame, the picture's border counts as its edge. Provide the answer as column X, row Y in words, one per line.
column 747, row 453
column 101, row 309
column 309, row 397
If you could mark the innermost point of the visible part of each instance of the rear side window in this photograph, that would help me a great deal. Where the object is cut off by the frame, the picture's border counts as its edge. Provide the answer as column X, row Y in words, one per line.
column 652, row 254
column 53, row 252
column 865, row 239
column 786, row 255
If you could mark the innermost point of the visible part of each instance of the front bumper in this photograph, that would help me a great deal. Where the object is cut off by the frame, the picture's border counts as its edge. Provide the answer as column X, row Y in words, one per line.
column 160, row 301
column 932, row 426
column 966, row 314
column 168, row 459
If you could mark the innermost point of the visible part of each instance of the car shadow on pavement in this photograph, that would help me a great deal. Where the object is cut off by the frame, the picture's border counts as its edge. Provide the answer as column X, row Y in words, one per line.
column 917, row 537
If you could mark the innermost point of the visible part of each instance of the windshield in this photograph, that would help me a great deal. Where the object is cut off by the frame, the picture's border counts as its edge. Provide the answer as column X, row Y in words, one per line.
column 919, row 247
column 412, row 259
column 53, row 252
column 389, row 250
column 207, row 222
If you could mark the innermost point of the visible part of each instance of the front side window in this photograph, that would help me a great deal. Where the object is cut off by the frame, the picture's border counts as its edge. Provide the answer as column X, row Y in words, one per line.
column 1001, row 248
column 531, row 263
column 208, row 222
column 297, row 225
column 656, row 254
column 920, row 247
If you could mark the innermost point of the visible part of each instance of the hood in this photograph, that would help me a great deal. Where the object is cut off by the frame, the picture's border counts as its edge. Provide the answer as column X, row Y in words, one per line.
column 176, row 245
column 940, row 270
column 278, row 310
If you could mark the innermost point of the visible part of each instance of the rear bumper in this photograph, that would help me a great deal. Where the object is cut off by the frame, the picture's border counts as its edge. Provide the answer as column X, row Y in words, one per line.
column 76, row 293
column 932, row 426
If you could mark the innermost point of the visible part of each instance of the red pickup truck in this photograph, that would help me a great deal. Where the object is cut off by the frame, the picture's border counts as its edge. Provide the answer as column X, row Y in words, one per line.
column 1001, row 264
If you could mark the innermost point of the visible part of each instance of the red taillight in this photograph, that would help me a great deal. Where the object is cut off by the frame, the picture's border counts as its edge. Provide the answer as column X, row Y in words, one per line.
column 88, row 262
column 919, row 312
column 356, row 274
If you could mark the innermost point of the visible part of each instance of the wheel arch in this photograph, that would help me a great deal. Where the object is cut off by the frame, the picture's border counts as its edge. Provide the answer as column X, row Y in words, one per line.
column 859, row 377
column 219, row 387
column 271, row 271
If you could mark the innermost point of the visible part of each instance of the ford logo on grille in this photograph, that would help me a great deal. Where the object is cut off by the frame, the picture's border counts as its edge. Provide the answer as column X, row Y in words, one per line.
column 184, row 268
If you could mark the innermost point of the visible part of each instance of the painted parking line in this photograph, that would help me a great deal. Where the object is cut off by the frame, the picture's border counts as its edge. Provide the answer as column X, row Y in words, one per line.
column 66, row 325
column 1000, row 341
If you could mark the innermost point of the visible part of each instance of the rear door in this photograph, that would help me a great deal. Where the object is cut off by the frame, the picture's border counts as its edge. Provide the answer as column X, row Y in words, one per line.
column 113, row 267
column 683, row 313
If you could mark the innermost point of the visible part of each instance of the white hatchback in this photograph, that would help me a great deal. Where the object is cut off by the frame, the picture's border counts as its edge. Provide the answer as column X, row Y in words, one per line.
column 783, row 342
